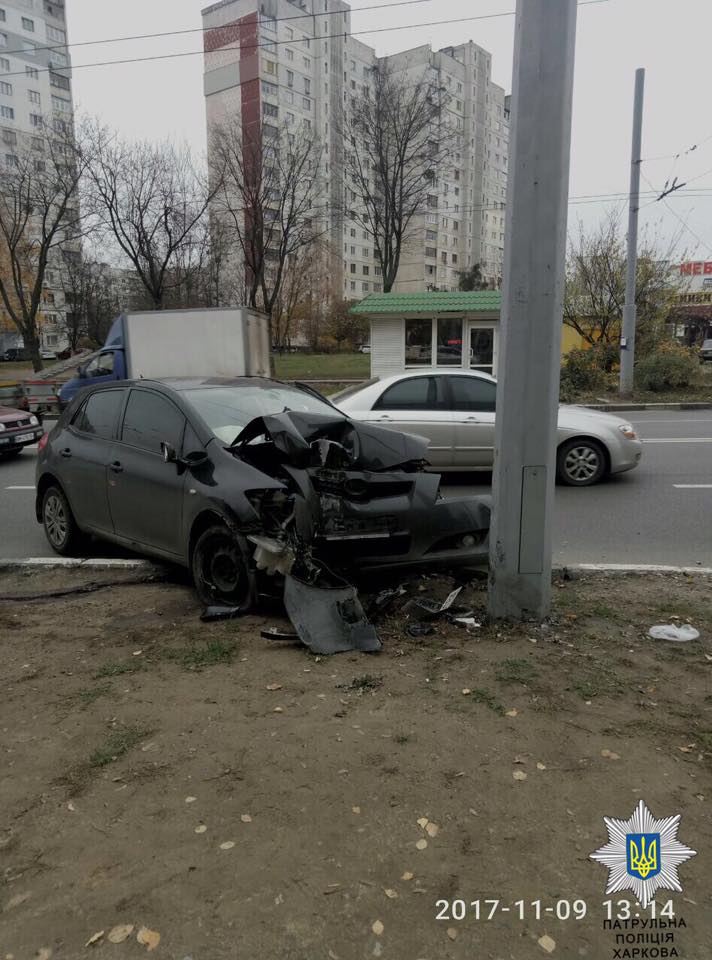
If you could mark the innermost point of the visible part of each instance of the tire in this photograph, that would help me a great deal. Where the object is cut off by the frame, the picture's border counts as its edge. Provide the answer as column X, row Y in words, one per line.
column 581, row 463
column 221, row 569
column 61, row 530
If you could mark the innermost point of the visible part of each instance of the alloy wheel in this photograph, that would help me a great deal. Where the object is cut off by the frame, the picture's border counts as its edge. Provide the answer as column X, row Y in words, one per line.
column 582, row 463
column 56, row 521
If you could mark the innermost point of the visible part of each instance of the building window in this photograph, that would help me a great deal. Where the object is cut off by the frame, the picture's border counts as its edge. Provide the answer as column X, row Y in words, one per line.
column 418, row 342
column 307, row 85
column 28, row 25
column 3, row 16
column 305, row 41
column 6, row 89
column 33, row 74
column 270, row 110
column 353, row 284
column 290, row 54
column 352, row 268
column 3, row 39
column 289, row 32
column 307, row 63
column 431, row 252
column 4, row 65
column 364, row 287
column 271, row 68
column 365, row 270
column 366, row 251
column 34, row 96
column 53, row 33
column 7, row 113
column 306, row 103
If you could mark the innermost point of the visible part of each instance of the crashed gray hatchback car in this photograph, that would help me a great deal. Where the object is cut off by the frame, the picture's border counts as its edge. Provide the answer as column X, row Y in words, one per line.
column 244, row 479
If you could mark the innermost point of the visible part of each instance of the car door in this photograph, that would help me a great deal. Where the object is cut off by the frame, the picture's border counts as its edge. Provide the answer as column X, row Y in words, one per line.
column 83, row 451
column 418, row 405
column 145, row 492
column 472, row 402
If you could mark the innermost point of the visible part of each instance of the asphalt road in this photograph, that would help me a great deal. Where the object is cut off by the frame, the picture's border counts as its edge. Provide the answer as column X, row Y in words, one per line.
column 659, row 513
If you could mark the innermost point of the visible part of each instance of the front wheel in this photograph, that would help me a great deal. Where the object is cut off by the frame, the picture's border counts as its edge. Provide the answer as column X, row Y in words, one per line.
column 580, row 463
column 60, row 527
column 221, row 569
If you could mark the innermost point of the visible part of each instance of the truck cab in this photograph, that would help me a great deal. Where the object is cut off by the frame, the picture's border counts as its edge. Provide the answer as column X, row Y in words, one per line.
column 106, row 365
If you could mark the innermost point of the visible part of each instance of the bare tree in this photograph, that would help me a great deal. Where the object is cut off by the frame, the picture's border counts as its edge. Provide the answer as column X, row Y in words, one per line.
column 295, row 297
column 595, row 285
column 150, row 198
column 39, row 214
column 398, row 138
column 268, row 178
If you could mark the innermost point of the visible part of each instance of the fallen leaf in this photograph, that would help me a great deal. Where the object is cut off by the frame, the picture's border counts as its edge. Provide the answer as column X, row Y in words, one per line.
column 278, row 710
column 432, row 829
column 519, row 760
column 541, row 766
column 466, row 691
column 70, row 806
column 246, row 818
column 609, row 755
column 519, row 775
column 423, row 822
column 120, row 933
column 452, row 933
column 44, row 953
column 201, row 828
column 137, row 653
column 95, row 939
column 547, row 943
column 17, row 900
column 407, row 875
column 228, row 845
column 689, row 749
column 274, row 686
column 190, row 799
column 377, row 927
column 391, row 894
column 421, row 844
column 148, row 938
column 355, row 809
column 511, row 713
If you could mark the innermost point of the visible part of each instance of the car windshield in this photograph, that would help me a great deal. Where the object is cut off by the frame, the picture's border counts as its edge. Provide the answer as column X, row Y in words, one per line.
column 227, row 410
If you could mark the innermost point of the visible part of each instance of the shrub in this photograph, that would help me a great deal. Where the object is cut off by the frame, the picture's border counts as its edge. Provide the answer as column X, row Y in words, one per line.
column 668, row 367
column 588, row 371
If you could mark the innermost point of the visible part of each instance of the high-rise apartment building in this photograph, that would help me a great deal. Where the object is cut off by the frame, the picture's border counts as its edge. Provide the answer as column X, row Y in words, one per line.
column 35, row 95
column 295, row 61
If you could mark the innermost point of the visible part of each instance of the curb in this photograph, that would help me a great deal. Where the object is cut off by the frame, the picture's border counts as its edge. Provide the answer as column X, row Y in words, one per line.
column 565, row 571
column 574, row 571
column 613, row 407
column 64, row 563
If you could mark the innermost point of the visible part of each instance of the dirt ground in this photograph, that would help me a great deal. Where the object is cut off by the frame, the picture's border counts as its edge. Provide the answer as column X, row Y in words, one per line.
column 242, row 798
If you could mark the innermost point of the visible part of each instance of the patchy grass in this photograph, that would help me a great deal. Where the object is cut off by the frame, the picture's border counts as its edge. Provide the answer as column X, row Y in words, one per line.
column 117, row 669
column 331, row 366
column 365, row 682
column 117, row 744
column 206, row 655
column 91, row 694
column 516, row 671
column 489, row 700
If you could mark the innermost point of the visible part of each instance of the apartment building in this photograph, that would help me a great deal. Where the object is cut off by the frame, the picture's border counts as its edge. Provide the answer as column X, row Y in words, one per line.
column 35, row 90
column 296, row 62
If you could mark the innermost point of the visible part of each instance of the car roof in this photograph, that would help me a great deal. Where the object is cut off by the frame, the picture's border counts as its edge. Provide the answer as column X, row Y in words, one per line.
column 183, row 384
column 442, row 371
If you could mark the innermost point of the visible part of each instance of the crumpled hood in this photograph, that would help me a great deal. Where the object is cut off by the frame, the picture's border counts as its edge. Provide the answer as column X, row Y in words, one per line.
column 307, row 439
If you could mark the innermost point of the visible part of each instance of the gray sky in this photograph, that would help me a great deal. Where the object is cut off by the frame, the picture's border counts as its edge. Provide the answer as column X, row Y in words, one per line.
column 160, row 99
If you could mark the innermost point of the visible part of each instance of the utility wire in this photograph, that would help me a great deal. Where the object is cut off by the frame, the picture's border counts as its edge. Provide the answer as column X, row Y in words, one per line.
column 273, row 43
column 684, row 223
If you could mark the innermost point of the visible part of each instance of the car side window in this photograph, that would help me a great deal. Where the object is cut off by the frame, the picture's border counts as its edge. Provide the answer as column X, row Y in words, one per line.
column 472, row 394
column 150, row 420
column 100, row 366
column 413, row 393
column 99, row 414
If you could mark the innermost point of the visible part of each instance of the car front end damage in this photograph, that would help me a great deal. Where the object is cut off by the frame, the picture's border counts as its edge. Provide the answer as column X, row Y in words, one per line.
column 355, row 499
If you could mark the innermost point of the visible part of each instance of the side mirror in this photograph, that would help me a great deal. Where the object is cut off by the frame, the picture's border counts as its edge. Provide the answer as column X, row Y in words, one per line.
column 195, row 459
column 168, row 453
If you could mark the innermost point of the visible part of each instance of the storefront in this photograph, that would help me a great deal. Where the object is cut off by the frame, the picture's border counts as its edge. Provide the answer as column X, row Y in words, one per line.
column 412, row 330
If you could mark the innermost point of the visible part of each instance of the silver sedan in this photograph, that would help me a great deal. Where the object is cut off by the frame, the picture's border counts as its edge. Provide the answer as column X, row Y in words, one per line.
column 455, row 410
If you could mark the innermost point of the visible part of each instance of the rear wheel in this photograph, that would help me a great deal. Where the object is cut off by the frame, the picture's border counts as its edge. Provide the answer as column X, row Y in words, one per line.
column 580, row 463
column 60, row 527
column 221, row 569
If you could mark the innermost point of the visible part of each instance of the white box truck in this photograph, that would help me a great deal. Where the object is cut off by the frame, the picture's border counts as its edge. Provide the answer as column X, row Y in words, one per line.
column 231, row 342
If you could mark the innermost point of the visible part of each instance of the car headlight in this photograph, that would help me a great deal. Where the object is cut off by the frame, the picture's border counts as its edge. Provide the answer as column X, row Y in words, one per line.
column 627, row 430
column 34, row 421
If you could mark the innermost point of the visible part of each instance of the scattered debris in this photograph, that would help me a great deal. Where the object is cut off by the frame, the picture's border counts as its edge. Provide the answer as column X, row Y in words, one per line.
column 190, row 799
column 201, row 828
column 228, row 845
column 432, row 829
column 216, row 612
column 377, row 927
column 452, row 933
column 547, row 943
column 469, row 623
column 120, row 933
column 407, row 875
column 676, row 634
column 609, row 755
column 246, row 818
column 94, row 939
column 511, row 713
column 148, row 938
column 421, row 844
column 277, row 633
column 519, row 775
column 329, row 620
column 419, row 629
column 390, row 893
column 273, row 686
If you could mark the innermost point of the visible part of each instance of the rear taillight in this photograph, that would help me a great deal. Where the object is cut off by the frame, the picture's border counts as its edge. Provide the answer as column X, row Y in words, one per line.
column 43, row 442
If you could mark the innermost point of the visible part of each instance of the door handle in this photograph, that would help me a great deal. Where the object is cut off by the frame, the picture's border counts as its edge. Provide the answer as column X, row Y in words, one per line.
column 66, row 453
column 389, row 419
column 471, row 420
column 116, row 467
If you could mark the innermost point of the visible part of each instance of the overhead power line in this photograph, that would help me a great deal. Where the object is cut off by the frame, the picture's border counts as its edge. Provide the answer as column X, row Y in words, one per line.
column 272, row 43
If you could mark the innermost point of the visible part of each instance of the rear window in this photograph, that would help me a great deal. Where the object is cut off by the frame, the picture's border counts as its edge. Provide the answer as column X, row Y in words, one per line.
column 413, row 393
column 99, row 414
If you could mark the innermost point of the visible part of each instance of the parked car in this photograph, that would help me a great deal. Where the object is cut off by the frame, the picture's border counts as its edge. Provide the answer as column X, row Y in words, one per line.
column 223, row 475
column 16, row 355
column 48, row 354
column 18, row 429
column 455, row 410
column 365, row 348
column 706, row 351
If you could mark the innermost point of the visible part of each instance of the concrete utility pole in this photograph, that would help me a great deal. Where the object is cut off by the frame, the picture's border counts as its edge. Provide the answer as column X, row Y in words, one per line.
column 532, row 309
column 629, row 309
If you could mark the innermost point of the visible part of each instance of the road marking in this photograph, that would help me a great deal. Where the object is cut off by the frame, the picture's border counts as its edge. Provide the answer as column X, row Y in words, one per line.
column 692, row 486
column 19, row 488
column 677, row 440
